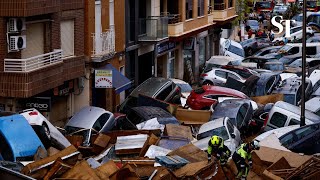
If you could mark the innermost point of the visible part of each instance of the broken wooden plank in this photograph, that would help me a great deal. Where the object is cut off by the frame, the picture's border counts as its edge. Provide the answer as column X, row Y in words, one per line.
column 175, row 130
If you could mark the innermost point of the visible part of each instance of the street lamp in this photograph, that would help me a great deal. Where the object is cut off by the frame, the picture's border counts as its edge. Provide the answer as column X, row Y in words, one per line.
column 304, row 27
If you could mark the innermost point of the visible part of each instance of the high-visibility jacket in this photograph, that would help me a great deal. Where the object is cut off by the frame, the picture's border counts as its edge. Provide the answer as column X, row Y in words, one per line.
column 242, row 154
column 220, row 150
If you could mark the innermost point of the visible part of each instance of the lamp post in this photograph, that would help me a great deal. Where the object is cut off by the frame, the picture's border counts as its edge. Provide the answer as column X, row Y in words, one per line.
column 304, row 27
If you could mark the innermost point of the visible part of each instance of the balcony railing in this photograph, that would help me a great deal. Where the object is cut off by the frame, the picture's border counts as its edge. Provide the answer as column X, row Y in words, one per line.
column 153, row 28
column 33, row 63
column 103, row 43
column 172, row 18
column 219, row 6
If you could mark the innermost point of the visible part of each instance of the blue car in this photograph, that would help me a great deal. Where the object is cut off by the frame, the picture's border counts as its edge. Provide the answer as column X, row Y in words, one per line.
column 18, row 141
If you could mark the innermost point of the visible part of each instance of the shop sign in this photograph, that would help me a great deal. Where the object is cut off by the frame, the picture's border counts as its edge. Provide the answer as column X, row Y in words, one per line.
column 64, row 89
column 42, row 104
column 103, row 79
column 188, row 44
column 166, row 46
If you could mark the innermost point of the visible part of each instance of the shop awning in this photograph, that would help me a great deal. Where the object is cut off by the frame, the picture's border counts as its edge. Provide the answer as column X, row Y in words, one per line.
column 119, row 81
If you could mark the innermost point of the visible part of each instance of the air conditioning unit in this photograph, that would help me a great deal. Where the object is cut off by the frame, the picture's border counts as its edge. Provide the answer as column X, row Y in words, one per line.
column 16, row 24
column 16, row 43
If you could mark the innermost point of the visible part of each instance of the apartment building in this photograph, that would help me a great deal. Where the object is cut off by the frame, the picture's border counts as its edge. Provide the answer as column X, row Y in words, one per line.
column 42, row 60
column 173, row 39
column 105, row 47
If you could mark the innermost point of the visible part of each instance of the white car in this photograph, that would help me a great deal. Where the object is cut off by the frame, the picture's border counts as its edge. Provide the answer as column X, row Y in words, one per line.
column 231, row 48
column 44, row 129
column 222, row 127
column 294, row 32
column 185, row 90
column 271, row 138
column 219, row 76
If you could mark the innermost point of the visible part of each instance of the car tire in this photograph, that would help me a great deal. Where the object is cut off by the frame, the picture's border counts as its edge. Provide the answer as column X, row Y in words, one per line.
column 207, row 83
column 44, row 135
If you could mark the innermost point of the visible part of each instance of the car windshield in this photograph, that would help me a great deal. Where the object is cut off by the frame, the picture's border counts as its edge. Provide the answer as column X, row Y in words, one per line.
column 289, row 98
column 288, row 139
column 274, row 67
column 284, row 49
column 311, row 4
column 297, row 18
column 221, row 131
column 236, row 50
column 296, row 63
column 185, row 87
column 253, row 23
column 263, row 4
column 71, row 129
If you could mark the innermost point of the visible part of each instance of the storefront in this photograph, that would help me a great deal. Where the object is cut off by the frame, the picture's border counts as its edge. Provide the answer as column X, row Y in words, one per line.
column 166, row 59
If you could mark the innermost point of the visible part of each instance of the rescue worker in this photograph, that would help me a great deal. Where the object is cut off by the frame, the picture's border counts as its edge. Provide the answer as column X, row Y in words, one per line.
column 216, row 146
column 242, row 154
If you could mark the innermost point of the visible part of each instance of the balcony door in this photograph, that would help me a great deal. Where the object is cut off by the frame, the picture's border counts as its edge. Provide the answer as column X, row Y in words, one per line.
column 98, row 28
column 35, row 40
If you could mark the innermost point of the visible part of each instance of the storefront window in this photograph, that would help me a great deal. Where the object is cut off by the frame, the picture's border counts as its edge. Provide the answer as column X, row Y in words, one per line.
column 202, row 52
column 170, row 64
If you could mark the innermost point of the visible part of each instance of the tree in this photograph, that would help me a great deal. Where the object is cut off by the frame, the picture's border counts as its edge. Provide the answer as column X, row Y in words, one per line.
column 243, row 9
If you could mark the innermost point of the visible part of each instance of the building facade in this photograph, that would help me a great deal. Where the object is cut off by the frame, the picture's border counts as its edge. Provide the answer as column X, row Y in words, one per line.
column 173, row 39
column 105, row 47
column 42, row 56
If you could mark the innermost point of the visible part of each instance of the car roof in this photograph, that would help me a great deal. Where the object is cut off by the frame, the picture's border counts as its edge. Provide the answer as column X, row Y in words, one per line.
column 86, row 117
column 228, row 108
column 19, row 135
column 211, row 125
column 178, row 81
column 223, row 90
column 313, row 104
column 148, row 112
column 150, row 86
column 296, row 110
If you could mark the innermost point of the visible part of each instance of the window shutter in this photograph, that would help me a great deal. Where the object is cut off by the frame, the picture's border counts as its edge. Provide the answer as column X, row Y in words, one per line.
column 35, row 40
column 67, row 37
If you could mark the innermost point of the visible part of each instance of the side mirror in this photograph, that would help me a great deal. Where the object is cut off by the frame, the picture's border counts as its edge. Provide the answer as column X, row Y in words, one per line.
column 233, row 136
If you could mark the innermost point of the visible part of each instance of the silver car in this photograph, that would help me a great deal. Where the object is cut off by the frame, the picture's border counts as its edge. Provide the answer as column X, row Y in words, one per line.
column 88, row 121
column 221, row 127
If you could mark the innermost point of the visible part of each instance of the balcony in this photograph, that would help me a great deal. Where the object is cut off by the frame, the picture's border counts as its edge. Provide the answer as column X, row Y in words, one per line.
column 219, row 12
column 33, row 63
column 153, row 29
column 103, row 45
column 180, row 28
column 24, row 8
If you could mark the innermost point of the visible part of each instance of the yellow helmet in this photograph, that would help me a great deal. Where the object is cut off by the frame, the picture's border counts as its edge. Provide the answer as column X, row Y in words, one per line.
column 215, row 140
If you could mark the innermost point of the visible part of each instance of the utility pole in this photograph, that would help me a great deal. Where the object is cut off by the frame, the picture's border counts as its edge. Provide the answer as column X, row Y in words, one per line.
column 304, row 36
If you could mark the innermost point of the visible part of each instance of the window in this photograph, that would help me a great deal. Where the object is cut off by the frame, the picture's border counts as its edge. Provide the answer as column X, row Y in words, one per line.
column 230, row 3
column 278, row 119
column 233, row 76
column 230, row 127
column 101, row 121
column 287, row 140
column 170, row 68
column 303, row 132
column 67, row 37
column 164, row 93
column 293, row 50
column 221, row 74
column 269, row 84
column 200, row 7
column 189, row 6
column 242, row 114
column 293, row 122
column 311, row 50
column 236, row 50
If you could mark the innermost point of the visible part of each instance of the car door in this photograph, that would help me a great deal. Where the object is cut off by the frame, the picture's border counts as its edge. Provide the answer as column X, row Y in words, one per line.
column 220, row 77
column 234, row 142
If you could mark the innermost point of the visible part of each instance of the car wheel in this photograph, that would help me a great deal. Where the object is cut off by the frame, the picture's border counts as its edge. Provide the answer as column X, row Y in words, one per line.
column 44, row 135
column 207, row 83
